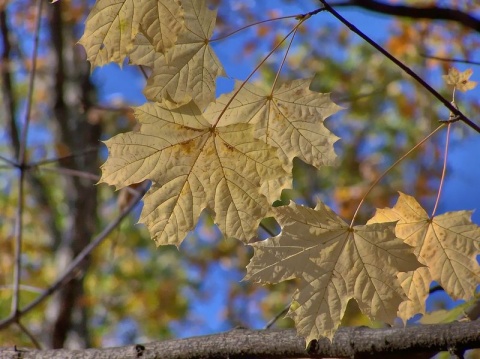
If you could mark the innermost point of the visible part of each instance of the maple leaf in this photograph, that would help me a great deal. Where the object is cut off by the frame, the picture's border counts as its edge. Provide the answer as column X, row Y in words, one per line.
column 112, row 25
column 290, row 119
column 460, row 80
column 189, row 70
column 334, row 263
column 193, row 165
column 447, row 244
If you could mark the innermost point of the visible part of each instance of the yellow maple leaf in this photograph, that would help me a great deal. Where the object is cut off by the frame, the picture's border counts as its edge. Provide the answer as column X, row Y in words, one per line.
column 334, row 263
column 290, row 119
column 460, row 80
column 112, row 25
column 447, row 244
column 189, row 70
column 193, row 165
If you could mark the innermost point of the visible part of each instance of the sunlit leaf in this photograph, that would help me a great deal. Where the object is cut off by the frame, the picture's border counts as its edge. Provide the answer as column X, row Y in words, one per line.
column 193, row 166
column 460, row 80
column 447, row 244
column 189, row 70
column 334, row 263
column 113, row 24
column 290, row 119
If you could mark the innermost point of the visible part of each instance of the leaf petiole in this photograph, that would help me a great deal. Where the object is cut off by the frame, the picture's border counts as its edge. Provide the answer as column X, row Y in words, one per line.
column 390, row 168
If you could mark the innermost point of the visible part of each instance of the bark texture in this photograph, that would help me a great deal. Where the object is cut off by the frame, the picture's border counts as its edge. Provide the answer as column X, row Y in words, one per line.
column 354, row 342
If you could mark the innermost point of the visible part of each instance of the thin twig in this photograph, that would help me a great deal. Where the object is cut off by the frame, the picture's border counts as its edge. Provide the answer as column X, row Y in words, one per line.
column 31, row 82
column 10, row 162
column 8, row 92
column 30, row 336
column 277, row 317
column 405, row 68
column 72, row 173
column 86, row 175
column 266, row 229
column 84, row 152
column 463, row 61
column 75, row 263
column 25, row 288
column 21, row 163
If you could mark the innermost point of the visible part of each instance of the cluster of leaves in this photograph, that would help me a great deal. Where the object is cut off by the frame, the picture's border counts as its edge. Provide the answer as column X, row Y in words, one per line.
column 233, row 156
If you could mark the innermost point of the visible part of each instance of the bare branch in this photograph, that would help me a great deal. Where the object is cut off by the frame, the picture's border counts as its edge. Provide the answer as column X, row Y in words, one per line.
column 349, row 342
column 446, row 59
column 67, row 274
column 416, row 12
column 402, row 66
column 8, row 96
column 17, row 268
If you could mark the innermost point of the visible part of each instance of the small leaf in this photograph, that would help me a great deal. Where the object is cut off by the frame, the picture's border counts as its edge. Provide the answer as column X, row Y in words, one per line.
column 334, row 263
column 112, row 25
column 460, row 80
column 189, row 70
column 447, row 244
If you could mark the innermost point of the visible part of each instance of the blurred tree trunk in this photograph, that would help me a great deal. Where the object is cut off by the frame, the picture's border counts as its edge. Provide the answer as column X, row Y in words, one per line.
column 73, row 92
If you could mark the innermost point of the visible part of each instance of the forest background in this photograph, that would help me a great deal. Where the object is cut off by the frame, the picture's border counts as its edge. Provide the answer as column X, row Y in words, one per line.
column 129, row 292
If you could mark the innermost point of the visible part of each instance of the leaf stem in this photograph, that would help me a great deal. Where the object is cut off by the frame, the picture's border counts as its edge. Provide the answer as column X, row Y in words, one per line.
column 255, row 70
column 390, row 168
column 253, row 24
column 284, row 58
column 444, row 170
column 400, row 64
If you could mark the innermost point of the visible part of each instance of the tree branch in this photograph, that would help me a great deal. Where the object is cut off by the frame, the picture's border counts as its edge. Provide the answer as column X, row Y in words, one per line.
column 427, row 12
column 74, row 264
column 456, row 114
column 7, row 84
column 349, row 342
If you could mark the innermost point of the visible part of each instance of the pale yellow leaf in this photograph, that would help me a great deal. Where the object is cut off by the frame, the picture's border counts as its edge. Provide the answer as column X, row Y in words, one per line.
column 113, row 24
column 193, row 166
column 290, row 119
column 273, row 189
column 460, row 80
column 447, row 244
column 334, row 263
column 189, row 70
column 161, row 21
column 416, row 285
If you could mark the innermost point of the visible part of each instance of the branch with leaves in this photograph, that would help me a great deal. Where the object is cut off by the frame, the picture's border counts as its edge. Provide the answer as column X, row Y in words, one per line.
column 234, row 156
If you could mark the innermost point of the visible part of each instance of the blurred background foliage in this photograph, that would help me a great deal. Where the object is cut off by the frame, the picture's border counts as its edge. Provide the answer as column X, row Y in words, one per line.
column 128, row 291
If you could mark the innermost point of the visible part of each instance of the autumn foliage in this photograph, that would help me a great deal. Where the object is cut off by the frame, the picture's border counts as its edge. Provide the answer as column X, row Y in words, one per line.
column 233, row 156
